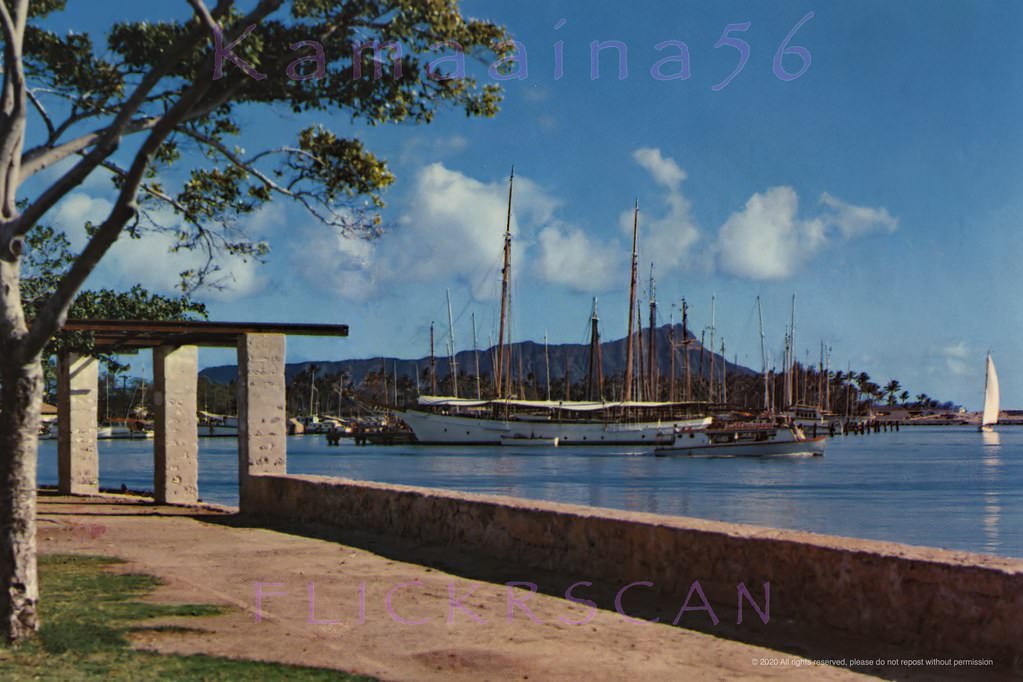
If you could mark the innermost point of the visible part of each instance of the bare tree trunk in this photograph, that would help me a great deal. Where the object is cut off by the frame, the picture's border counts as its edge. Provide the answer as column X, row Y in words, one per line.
column 19, row 439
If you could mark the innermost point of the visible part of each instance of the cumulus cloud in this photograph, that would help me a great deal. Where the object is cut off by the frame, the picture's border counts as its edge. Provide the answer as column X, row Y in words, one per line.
column 568, row 256
column 668, row 235
column 664, row 170
column 856, row 221
column 149, row 261
column 768, row 240
column 453, row 229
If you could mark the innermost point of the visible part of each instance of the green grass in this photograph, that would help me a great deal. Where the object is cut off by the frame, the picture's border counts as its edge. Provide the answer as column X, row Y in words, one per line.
column 87, row 614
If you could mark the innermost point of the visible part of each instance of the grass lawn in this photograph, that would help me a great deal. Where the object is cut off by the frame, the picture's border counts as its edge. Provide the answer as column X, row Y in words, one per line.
column 87, row 613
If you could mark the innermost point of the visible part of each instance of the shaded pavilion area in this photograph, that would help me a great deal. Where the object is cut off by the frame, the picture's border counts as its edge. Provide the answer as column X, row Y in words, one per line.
column 262, row 420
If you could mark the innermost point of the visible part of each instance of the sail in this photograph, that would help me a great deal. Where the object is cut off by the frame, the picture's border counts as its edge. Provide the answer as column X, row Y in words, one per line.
column 990, row 394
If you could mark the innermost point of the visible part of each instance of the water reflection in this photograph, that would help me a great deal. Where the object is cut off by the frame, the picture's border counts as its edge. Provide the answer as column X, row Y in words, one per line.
column 992, row 517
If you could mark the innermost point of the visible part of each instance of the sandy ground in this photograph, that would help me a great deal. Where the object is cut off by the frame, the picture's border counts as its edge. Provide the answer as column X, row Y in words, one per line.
column 334, row 605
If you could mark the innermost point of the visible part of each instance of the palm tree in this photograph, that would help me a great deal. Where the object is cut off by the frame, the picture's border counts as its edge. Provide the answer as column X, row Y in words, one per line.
column 891, row 389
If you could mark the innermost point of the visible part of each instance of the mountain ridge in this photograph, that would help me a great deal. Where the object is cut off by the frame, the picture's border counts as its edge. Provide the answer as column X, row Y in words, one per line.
column 574, row 357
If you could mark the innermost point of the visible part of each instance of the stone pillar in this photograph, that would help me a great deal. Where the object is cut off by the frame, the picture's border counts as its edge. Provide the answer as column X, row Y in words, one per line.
column 262, row 420
column 176, row 444
column 77, row 400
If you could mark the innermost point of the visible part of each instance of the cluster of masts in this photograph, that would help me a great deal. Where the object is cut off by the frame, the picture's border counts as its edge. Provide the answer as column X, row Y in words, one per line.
column 642, row 381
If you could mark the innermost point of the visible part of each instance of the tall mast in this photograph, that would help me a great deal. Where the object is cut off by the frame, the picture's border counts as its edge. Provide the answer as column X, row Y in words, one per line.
column 433, row 365
column 703, row 333
column 641, row 387
column 713, row 302
column 820, row 377
column 595, row 371
column 685, row 349
column 502, row 360
column 652, row 353
column 632, row 305
column 671, row 345
column 786, row 373
column 724, row 373
column 509, row 386
column 547, row 362
column 451, row 350
column 476, row 352
column 792, row 354
column 827, row 380
column 763, row 356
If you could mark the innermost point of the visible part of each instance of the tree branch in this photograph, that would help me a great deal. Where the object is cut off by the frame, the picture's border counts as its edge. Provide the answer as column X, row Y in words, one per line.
column 316, row 206
column 53, row 313
column 12, row 127
column 105, row 141
column 51, row 131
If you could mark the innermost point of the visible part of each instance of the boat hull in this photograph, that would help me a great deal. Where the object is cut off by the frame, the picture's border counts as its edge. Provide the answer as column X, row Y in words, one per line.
column 446, row 429
column 782, row 444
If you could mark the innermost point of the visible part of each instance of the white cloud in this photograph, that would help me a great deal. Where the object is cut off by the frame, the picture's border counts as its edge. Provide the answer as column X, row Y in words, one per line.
column 766, row 240
column 75, row 211
column 339, row 264
column 568, row 256
column 149, row 261
column 856, row 221
column 666, row 239
column 453, row 230
column 664, row 170
column 415, row 150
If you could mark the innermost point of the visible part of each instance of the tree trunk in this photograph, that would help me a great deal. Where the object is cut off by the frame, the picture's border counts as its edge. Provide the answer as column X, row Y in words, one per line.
column 19, row 440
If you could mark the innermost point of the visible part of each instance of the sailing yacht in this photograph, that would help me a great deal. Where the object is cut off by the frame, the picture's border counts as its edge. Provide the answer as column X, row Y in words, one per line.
column 991, row 398
column 509, row 421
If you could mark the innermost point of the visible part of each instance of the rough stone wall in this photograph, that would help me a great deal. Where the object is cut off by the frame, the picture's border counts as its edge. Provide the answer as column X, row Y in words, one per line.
column 262, row 421
column 77, row 401
column 176, row 445
column 932, row 601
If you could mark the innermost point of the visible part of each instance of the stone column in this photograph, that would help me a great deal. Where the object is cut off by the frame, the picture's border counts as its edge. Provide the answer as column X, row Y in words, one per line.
column 176, row 445
column 262, row 420
column 77, row 400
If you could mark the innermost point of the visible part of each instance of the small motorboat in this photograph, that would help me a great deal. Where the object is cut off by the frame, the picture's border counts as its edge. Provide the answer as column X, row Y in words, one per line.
column 744, row 440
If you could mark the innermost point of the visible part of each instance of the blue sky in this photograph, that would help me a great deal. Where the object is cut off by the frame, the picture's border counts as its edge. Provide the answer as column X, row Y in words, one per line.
column 881, row 188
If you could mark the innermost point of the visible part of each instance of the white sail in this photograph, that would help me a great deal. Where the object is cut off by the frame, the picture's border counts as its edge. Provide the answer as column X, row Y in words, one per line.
column 990, row 395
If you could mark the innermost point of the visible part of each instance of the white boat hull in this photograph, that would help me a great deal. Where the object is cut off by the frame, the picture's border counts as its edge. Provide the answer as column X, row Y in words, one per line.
column 784, row 443
column 446, row 429
column 121, row 433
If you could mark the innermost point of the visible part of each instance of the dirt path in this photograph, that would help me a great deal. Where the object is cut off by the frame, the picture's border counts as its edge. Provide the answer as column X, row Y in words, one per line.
column 326, row 604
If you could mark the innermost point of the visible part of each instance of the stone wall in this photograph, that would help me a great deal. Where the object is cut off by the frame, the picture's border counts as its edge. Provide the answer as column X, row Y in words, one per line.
column 934, row 602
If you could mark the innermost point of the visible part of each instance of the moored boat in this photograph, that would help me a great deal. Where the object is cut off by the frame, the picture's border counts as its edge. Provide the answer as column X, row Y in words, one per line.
column 451, row 421
column 743, row 440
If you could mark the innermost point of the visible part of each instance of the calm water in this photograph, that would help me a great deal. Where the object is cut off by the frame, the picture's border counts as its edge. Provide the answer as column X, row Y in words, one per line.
column 940, row 487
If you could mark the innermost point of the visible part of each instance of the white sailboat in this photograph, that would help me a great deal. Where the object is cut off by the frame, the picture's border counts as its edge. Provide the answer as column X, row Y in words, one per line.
column 991, row 398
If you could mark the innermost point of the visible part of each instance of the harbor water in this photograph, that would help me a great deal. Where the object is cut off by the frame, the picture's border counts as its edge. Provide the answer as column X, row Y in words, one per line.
column 935, row 486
